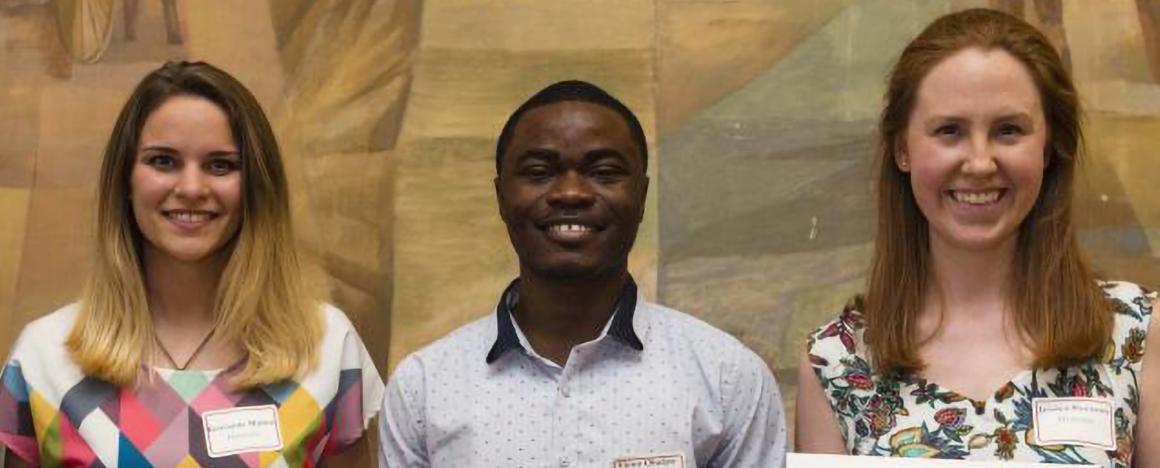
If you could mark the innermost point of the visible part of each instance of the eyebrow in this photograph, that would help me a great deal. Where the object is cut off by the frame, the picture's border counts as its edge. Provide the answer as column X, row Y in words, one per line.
column 166, row 149
column 605, row 153
column 539, row 154
column 1010, row 115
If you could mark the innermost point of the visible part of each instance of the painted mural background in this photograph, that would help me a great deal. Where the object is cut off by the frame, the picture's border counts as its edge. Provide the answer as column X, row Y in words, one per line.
column 761, row 114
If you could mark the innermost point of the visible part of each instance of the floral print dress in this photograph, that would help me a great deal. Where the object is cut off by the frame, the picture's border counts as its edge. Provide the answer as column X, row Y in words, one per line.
column 911, row 417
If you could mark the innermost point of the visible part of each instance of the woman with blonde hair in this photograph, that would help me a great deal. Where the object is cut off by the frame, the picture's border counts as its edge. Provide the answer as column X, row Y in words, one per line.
column 195, row 342
column 983, row 333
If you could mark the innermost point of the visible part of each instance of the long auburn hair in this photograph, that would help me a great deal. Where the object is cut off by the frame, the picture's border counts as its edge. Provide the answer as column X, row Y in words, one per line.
column 1057, row 304
column 261, row 302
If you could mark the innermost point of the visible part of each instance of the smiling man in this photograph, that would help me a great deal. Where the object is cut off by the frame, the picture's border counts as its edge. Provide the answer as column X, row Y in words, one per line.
column 573, row 367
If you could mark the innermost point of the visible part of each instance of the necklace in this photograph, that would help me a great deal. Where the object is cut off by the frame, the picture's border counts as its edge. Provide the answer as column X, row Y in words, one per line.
column 193, row 356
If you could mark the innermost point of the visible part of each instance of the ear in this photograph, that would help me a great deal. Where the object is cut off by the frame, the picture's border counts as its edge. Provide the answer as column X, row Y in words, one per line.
column 902, row 160
column 643, row 197
column 499, row 199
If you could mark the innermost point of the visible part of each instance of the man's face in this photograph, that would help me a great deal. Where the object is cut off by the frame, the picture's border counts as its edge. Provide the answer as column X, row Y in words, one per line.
column 571, row 191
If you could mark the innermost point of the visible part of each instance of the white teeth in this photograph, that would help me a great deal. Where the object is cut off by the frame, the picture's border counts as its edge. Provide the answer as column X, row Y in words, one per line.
column 976, row 198
column 189, row 216
column 570, row 228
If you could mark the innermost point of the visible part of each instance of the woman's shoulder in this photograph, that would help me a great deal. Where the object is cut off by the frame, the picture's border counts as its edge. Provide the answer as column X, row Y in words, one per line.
column 1131, row 303
column 40, row 360
column 47, row 332
column 341, row 344
column 844, row 328
column 839, row 340
column 334, row 320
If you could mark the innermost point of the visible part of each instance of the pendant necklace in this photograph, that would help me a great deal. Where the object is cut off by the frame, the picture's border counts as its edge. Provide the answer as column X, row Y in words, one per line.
column 193, row 356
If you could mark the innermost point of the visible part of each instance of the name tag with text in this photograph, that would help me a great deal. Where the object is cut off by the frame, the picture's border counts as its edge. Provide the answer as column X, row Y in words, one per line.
column 1088, row 422
column 240, row 430
column 667, row 460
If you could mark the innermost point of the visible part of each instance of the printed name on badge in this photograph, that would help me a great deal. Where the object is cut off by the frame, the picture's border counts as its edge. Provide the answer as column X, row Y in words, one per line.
column 1088, row 422
column 667, row 460
column 240, row 430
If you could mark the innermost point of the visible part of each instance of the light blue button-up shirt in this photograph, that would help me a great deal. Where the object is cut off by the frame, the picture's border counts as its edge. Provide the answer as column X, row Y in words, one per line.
column 669, row 384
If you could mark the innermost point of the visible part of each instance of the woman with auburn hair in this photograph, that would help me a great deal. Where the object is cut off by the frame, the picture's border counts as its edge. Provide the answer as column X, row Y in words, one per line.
column 195, row 342
column 983, row 334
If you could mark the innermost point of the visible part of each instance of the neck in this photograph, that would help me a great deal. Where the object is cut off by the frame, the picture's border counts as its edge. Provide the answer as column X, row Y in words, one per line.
column 967, row 283
column 556, row 316
column 181, row 294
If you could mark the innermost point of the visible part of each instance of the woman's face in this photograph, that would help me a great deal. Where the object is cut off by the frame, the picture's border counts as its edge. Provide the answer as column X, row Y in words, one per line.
column 186, row 184
column 974, row 148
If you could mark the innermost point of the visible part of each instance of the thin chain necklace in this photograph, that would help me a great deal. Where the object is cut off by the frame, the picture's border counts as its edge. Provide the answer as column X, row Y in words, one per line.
column 193, row 356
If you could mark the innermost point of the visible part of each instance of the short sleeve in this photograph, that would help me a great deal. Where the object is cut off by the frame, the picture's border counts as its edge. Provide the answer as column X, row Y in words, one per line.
column 754, row 417
column 17, row 432
column 1132, row 308
column 402, row 441
column 835, row 347
column 360, row 388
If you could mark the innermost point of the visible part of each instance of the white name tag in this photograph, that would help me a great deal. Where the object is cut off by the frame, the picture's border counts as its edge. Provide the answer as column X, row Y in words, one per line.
column 1089, row 422
column 240, row 430
column 668, row 460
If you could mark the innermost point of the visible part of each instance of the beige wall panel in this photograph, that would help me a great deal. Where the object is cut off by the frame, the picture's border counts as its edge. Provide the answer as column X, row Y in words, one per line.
column 709, row 49
column 1129, row 145
column 237, row 37
column 1111, row 64
column 57, row 250
column 526, row 25
column 13, row 213
column 470, row 93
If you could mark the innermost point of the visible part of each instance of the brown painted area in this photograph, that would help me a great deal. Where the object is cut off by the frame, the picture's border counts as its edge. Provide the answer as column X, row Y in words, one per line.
column 709, row 49
column 1149, row 11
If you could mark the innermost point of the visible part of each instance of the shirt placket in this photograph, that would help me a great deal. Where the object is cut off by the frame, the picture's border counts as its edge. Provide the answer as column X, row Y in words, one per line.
column 566, row 423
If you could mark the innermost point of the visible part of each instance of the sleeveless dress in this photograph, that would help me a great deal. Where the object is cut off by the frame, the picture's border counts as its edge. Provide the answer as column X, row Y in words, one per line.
column 51, row 414
column 911, row 417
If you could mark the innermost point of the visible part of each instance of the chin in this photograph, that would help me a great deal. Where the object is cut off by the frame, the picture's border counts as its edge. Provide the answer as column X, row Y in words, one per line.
column 571, row 272
column 980, row 241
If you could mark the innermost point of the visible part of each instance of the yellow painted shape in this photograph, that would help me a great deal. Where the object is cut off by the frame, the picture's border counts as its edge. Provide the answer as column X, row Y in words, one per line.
column 297, row 414
column 268, row 458
column 43, row 413
column 188, row 462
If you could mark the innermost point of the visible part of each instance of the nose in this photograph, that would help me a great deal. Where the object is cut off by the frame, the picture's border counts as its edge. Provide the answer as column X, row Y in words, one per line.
column 980, row 157
column 191, row 184
column 570, row 190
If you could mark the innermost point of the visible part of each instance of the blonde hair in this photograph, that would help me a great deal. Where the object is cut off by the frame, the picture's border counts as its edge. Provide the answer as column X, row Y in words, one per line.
column 261, row 302
column 1057, row 302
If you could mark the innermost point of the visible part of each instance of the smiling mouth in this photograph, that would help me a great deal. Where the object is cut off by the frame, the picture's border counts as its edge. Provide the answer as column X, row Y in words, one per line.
column 977, row 197
column 570, row 228
column 190, row 217
column 570, row 232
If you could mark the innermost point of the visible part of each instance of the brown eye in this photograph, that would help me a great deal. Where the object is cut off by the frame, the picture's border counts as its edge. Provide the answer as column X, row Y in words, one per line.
column 948, row 131
column 222, row 166
column 161, row 162
column 1009, row 130
column 536, row 172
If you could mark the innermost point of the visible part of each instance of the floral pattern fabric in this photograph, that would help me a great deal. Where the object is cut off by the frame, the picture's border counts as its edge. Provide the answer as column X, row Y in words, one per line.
column 891, row 415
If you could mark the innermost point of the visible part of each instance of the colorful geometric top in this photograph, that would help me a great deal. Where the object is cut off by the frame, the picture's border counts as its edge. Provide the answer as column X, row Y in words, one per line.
column 52, row 415
column 911, row 417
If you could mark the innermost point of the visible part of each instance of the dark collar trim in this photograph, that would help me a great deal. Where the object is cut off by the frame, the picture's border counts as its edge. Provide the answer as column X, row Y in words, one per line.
column 506, row 339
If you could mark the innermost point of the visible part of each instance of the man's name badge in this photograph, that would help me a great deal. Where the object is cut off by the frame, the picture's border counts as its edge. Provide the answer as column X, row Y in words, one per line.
column 240, row 430
column 1088, row 422
column 667, row 460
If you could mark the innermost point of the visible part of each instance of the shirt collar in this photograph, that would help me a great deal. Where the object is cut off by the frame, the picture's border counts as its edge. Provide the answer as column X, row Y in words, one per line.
column 620, row 326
